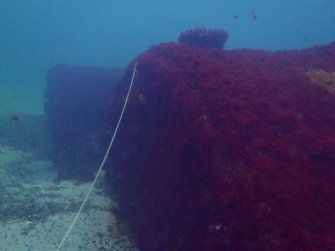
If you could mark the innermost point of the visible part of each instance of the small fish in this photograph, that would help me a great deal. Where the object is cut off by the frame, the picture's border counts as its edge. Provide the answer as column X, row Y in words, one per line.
column 15, row 118
column 305, row 38
column 236, row 16
column 253, row 15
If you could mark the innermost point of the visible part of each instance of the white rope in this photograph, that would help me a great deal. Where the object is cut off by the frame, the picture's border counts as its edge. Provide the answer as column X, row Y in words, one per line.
column 101, row 166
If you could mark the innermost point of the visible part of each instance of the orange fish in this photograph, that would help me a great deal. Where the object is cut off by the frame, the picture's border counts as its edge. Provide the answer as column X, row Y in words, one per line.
column 15, row 117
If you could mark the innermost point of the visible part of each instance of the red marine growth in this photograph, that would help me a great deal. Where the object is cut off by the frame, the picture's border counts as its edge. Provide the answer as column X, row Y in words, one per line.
column 201, row 37
column 229, row 150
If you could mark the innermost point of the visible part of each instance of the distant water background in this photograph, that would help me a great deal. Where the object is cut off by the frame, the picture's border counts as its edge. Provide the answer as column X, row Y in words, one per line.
column 37, row 34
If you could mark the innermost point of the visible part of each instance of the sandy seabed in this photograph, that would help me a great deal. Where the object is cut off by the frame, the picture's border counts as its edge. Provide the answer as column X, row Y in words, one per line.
column 35, row 211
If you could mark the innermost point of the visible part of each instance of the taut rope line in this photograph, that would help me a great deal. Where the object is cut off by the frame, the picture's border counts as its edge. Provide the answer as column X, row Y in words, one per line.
column 101, row 166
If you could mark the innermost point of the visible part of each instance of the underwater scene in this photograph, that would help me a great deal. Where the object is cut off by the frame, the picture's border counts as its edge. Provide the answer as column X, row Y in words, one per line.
column 167, row 125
